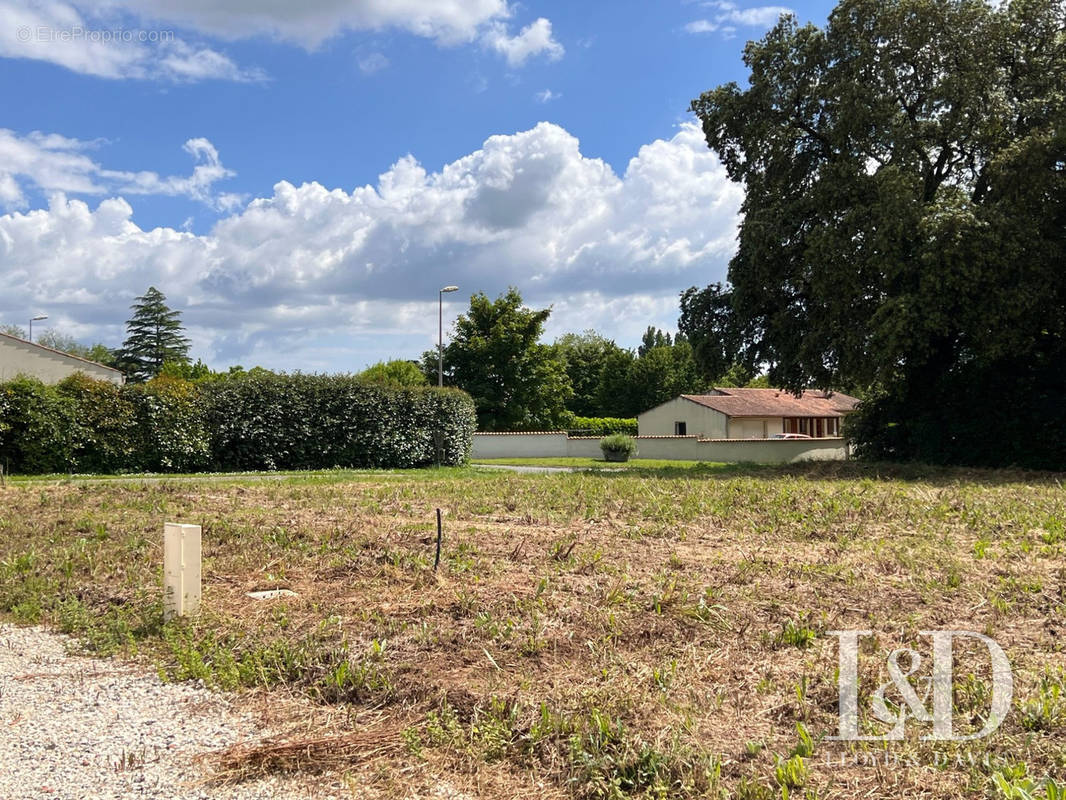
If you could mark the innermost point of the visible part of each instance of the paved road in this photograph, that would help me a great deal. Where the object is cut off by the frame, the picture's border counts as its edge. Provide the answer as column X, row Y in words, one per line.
column 518, row 468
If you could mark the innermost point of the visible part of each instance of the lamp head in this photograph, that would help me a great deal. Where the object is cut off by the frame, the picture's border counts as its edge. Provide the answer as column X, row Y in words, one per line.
column 450, row 289
column 39, row 317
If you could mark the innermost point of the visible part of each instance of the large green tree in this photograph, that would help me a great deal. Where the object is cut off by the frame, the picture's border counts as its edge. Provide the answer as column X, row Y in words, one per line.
column 154, row 337
column 585, row 355
column 904, row 218
column 496, row 356
column 663, row 368
column 662, row 373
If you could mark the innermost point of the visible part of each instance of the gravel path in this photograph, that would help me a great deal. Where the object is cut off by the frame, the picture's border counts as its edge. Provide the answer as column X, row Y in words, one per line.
column 80, row 728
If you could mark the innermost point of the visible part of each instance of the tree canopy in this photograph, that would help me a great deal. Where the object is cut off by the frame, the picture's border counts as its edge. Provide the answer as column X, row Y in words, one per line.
column 50, row 337
column 99, row 353
column 903, row 223
column 396, row 373
column 496, row 356
column 652, row 338
column 585, row 355
column 153, row 338
column 662, row 368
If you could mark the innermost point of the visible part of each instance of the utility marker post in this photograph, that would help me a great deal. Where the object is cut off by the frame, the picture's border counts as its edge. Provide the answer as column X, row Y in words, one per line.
column 440, row 534
column 181, row 570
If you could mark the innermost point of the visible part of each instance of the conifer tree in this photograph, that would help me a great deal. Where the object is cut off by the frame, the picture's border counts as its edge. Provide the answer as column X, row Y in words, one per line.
column 154, row 337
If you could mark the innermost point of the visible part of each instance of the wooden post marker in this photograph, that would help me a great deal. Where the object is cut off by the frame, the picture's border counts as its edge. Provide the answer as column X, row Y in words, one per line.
column 181, row 570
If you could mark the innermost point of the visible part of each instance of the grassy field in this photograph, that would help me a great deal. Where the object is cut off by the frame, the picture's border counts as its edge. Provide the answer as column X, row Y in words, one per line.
column 591, row 634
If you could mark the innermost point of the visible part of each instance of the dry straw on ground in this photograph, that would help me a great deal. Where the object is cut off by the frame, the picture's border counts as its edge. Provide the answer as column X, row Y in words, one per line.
column 652, row 633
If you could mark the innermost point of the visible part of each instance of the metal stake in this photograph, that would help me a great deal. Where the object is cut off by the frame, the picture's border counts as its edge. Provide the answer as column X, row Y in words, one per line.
column 436, row 561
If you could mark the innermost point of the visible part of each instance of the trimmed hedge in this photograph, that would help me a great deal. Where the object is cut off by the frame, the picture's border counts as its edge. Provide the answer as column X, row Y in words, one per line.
column 258, row 420
column 602, row 426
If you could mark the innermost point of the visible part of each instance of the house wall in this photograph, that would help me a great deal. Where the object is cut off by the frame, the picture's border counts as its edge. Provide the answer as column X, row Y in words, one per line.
column 700, row 420
column 754, row 427
column 23, row 358
column 679, row 448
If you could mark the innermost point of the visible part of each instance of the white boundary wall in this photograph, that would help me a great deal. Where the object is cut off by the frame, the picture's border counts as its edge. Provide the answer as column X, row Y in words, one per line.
column 678, row 448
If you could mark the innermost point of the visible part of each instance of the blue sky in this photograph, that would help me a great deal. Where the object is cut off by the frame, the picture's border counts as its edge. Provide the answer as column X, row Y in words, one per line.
column 300, row 180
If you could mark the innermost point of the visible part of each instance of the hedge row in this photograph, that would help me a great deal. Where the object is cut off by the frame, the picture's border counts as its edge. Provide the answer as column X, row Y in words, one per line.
column 262, row 421
column 602, row 426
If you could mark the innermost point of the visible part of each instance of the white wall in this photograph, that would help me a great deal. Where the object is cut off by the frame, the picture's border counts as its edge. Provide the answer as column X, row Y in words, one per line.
column 18, row 357
column 700, row 420
column 678, row 448
column 520, row 445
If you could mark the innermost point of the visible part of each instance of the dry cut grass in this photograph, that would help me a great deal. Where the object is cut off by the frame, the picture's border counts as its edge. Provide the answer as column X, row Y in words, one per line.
column 587, row 635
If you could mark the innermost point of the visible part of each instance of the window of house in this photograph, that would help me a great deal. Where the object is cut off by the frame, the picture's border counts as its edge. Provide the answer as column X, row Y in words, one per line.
column 680, row 429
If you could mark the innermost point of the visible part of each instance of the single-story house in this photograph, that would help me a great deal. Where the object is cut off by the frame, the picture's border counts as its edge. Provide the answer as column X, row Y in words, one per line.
column 748, row 414
column 20, row 357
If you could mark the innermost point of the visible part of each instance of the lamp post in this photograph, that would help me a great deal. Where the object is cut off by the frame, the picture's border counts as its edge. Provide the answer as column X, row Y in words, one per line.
column 440, row 332
column 38, row 318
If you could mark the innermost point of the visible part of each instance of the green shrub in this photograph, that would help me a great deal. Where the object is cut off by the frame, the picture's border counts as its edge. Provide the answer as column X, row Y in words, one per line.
column 253, row 420
column 602, row 426
column 171, row 430
column 618, row 447
column 277, row 421
column 104, row 425
column 36, row 427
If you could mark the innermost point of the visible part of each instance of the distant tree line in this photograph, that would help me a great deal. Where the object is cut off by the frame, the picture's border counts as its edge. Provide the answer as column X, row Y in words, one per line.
column 521, row 383
column 580, row 381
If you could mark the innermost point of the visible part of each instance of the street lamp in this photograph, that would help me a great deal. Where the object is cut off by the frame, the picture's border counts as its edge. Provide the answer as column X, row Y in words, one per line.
column 38, row 318
column 440, row 332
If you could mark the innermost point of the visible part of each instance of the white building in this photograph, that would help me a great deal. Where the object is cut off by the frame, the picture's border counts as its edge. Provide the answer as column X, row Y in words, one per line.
column 20, row 357
column 748, row 414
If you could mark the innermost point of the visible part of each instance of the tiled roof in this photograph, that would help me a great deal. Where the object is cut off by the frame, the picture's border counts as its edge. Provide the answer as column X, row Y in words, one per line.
column 775, row 403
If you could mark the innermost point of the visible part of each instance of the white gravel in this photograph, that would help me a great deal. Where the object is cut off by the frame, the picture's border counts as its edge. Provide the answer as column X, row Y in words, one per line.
column 80, row 728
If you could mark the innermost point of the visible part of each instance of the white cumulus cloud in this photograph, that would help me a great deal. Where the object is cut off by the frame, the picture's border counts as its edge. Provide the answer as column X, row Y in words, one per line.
column 533, row 40
column 372, row 62
column 310, row 22
column 136, row 39
column 324, row 278
column 51, row 163
column 729, row 16
column 104, row 46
